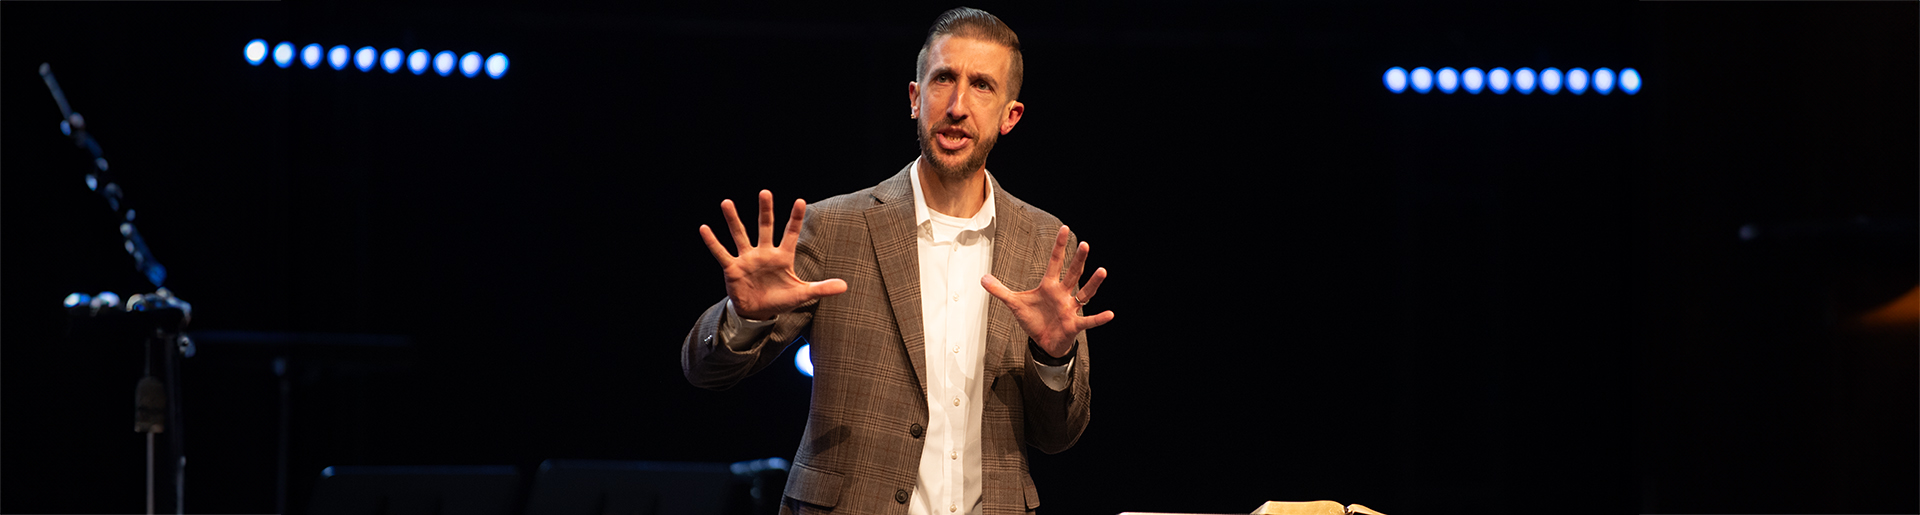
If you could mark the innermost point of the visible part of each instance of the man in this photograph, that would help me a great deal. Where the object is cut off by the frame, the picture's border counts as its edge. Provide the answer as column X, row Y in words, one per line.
column 925, row 389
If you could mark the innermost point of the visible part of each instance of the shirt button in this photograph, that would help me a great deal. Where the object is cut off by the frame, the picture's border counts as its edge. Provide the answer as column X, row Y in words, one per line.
column 956, row 350
column 952, row 508
column 953, row 455
column 956, row 297
column 956, row 401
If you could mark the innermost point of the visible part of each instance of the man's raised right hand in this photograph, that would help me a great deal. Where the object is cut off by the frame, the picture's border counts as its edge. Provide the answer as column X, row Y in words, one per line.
column 761, row 281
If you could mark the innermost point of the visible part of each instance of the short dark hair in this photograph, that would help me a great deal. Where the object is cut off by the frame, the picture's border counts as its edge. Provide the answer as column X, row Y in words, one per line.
column 974, row 23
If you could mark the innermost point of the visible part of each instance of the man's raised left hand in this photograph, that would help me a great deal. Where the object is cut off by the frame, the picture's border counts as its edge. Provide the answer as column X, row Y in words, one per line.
column 1050, row 312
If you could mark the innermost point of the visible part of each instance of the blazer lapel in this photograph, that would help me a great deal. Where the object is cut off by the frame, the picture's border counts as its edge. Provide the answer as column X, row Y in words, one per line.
column 896, row 249
column 1012, row 262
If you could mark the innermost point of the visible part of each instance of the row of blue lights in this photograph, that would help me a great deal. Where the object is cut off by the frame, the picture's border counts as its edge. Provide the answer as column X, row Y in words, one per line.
column 1499, row 80
column 471, row 64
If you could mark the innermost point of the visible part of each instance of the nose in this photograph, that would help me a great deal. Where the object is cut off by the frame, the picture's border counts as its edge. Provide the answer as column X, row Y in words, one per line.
column 957, row 105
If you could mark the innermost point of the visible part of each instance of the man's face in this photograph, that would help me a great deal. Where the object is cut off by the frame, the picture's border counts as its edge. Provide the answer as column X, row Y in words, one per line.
column 962, row 105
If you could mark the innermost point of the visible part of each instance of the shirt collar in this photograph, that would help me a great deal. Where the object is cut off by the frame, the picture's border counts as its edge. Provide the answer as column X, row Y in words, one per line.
column 980, row 221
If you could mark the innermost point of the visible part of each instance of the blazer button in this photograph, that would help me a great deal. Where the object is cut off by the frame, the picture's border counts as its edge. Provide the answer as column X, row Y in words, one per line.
column 900, row 496
column 916, row 430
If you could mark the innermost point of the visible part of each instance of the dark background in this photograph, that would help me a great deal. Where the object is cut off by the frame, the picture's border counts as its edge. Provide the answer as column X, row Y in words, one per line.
column 1424, row 303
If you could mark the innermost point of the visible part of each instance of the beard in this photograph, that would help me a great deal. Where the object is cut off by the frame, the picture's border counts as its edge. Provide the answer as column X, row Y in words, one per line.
column 973, row 161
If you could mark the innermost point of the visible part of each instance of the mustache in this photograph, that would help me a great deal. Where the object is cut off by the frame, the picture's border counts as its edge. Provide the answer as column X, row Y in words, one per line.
column 937, row 127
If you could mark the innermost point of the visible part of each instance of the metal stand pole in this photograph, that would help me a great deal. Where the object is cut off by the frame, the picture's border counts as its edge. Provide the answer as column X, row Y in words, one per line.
column 286, row 418
column 176, row 438
column 149, row 473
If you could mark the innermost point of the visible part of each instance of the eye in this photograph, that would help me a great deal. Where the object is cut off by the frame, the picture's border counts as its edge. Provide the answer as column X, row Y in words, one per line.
column 983, row 86
column 942, row 78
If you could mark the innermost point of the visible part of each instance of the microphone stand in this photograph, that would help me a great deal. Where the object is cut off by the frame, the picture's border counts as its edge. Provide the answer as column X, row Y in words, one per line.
column 158, row 319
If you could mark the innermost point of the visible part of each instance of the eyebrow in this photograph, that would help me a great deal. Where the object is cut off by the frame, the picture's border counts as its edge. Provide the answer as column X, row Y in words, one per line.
column 985, row 78
column 974, row 76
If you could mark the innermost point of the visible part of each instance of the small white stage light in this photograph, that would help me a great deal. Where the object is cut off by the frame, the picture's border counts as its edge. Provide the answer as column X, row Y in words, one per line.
column 497, row 65
column 417, row 61
column 1523, row 80
column 310, row 55
column 390, row 60
column 1422, row 80
column 337, row 57
column 256, row 51
column 443, row 63
column 470, row 64
column 1603, row 81
column 363, row 59
column 283, row 54
column 1395, row 79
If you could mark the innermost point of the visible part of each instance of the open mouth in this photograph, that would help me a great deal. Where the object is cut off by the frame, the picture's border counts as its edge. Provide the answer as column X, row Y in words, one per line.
column 952, row 138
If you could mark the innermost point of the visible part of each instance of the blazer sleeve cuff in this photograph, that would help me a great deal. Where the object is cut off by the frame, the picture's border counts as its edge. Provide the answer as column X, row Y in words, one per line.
column 1056, row 373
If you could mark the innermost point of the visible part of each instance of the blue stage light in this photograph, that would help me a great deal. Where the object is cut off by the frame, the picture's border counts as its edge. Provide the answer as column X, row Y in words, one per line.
column 1422, row 80
column 77, row 298
column 1603, row 81
column 497, row 65
column 364, row 58
column 803, row 359
column 1550, row 81
column 256, row 51
column 390, row 60
column 1395, row 79
column 310, row 55
column 1577, row 81
column 1523, row 80
column 417, row 61
column 1473, row 79
column 1497, row 80
column 283, row 54
column 443, row 63
column 470, row 64
column 1448, row 79
column 337, row 57
column 1629, row 81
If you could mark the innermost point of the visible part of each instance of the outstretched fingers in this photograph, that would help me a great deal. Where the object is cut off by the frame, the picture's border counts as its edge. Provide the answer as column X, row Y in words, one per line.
column 793, row 223
column 1101, row 319
column 713, row 245
column 1093, row 285
column 1059, row 253
column 766, row 218
column 819, row 289
column 997, row 290
column 1079, row 263
column 735, row 229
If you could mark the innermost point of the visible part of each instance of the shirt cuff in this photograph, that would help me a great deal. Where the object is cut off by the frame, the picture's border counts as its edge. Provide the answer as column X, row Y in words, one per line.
column 739, row 333
column 1057, row 378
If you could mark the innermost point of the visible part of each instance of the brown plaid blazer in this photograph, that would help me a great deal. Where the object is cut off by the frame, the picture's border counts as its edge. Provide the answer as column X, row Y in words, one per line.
column 861, row 450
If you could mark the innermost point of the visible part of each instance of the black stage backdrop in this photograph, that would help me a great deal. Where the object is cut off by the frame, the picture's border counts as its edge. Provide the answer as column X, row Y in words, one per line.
column 1425, row 303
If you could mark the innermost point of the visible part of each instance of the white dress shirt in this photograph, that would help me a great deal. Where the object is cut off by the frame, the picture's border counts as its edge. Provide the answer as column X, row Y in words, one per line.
column 954, row 254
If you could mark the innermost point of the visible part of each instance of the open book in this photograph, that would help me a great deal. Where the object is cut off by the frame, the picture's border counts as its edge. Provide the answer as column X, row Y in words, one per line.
column 1298, row 508
column 1313, row 508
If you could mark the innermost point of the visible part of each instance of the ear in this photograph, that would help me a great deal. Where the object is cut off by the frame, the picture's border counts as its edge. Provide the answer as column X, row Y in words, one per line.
column 1015, row 110
column 913, row 99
